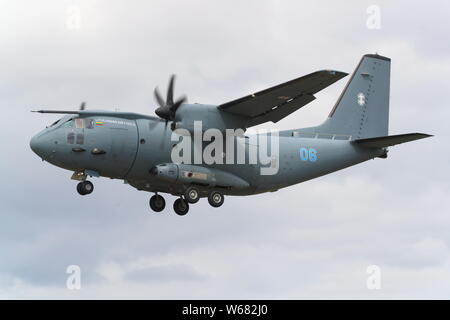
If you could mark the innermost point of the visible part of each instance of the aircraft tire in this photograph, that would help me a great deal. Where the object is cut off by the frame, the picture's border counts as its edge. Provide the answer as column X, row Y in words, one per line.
column 192, row 195
column 157, row 203
column 80, row 188
column 216, row 199
column 181, row 206
column 85, row 187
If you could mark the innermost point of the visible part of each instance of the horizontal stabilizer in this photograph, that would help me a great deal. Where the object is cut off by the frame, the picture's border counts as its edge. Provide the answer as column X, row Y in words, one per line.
column 387, row 141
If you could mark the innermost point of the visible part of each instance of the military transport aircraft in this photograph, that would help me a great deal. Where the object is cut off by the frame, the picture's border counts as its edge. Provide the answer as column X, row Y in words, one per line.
column 140, row 149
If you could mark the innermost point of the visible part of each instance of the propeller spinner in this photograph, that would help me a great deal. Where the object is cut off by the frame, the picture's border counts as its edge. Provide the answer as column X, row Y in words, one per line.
column 167, row 109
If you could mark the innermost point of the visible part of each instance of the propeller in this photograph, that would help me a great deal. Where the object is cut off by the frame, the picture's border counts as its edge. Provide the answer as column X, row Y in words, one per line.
column 167, row 109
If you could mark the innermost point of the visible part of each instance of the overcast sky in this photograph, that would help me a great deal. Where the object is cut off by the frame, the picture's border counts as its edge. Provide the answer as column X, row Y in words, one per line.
column 312, row 240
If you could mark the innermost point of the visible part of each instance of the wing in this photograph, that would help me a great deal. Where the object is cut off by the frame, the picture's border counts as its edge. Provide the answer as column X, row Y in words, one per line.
column 275, row 103
column 92, row 113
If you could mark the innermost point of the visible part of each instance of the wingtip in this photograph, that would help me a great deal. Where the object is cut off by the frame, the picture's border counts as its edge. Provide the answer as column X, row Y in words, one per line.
column 420, row 135
column 336, row 72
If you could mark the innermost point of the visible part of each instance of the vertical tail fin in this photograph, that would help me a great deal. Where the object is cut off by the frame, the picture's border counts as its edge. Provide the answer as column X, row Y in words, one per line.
column 362, row 110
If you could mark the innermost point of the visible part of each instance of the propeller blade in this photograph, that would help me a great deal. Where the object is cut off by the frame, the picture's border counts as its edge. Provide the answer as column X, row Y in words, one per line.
column 158, row 98
column 169, row 100
column 177, row 104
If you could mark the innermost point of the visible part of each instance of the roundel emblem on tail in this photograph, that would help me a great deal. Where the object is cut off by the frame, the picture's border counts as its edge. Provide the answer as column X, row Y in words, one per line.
column 361, row 99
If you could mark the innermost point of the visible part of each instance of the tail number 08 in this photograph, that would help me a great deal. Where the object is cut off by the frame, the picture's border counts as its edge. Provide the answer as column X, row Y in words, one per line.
column 308, row 154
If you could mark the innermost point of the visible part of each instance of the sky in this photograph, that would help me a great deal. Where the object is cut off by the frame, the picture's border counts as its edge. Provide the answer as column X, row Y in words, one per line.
column 311, row 240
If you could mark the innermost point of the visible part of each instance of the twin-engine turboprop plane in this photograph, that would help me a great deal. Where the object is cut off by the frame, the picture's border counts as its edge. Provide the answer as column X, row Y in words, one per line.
column 196, row 150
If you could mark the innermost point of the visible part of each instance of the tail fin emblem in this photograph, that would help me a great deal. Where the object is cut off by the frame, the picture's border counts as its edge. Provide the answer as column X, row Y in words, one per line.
column 361, row 99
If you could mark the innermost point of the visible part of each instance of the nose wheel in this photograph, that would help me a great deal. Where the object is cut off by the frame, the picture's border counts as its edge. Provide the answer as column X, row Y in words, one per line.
column 85, row 187
column 157, row 203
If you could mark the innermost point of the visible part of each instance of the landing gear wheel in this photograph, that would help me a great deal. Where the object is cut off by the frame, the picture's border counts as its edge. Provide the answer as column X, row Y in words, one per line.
column 79, row 188
column 181, row 206
column 157, row 203
column 192, row 195
column 85, row 187
column 216, row 199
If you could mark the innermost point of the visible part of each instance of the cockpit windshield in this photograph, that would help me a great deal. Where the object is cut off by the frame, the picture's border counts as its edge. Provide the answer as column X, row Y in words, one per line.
column 61, row 121
column 54, row 123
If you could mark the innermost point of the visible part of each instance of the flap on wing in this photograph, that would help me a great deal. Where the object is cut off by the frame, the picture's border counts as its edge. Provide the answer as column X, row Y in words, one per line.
column 277, row 102
column 279, row 112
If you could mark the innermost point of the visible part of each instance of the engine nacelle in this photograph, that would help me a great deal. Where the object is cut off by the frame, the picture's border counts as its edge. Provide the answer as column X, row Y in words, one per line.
column 192, row 174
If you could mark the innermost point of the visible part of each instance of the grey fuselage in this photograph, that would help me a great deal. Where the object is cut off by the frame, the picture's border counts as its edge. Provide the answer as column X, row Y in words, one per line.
column 124, row 148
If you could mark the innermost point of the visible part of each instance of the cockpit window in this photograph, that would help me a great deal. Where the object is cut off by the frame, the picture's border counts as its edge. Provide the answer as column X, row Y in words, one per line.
column 80, row 138
column 81, row 123
column 71, row 138
column 68, row 124
column 54, row 123
column 62, row 122
column 89, row 123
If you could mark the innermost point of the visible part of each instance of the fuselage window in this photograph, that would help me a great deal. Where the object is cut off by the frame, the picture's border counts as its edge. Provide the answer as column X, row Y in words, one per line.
column 80, row 138
column 70, row 138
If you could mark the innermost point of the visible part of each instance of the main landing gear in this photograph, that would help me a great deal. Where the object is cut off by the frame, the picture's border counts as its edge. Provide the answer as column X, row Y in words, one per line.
column 85, row 187
column 192, row 195
column 181, row 205
column 215, row 199
column 157, row 203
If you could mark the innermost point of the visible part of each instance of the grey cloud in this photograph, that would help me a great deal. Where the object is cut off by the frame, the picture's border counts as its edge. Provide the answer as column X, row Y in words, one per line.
column 165, row 274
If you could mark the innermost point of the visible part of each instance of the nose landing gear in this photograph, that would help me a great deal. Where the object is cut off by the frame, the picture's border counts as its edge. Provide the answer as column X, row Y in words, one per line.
column 85, row 187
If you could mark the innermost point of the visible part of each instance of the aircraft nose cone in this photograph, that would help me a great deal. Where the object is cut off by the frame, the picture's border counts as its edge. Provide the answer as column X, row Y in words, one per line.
column 37, row 145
